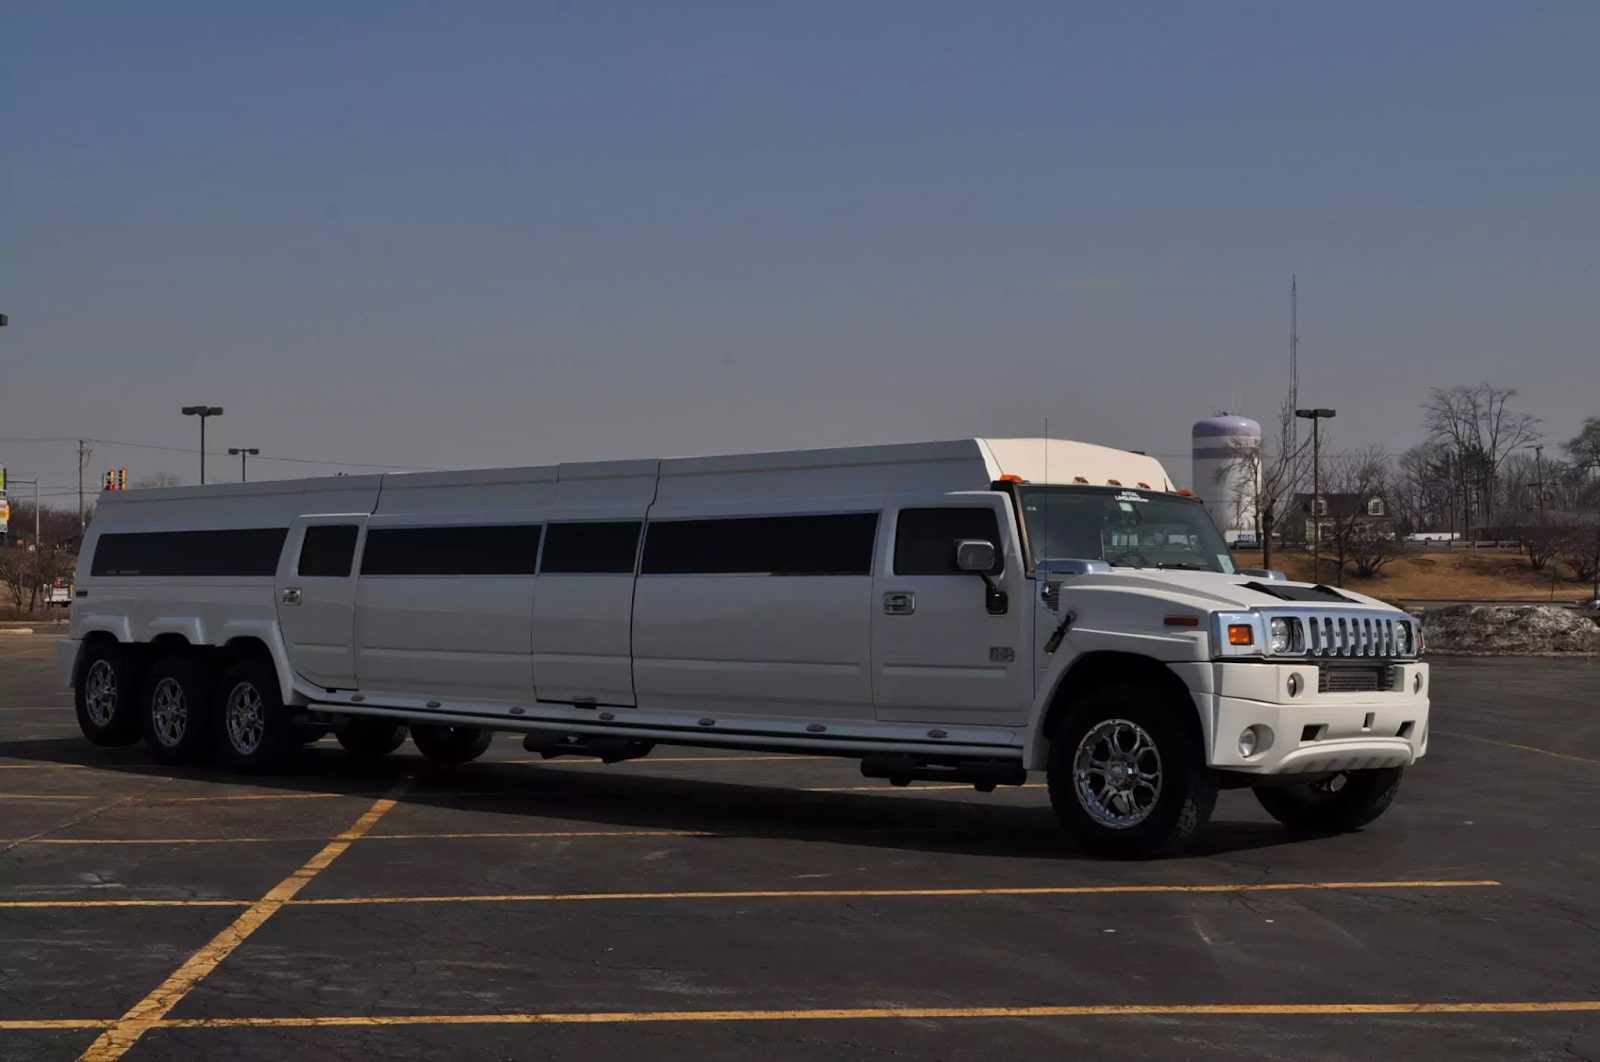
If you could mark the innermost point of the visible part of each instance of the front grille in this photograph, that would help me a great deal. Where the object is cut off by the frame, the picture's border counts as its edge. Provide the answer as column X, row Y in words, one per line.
column 1354, row 679
column 1350, row 634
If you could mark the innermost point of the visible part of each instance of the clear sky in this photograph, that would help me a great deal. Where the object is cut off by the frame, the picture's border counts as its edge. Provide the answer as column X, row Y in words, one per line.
column 462, row 234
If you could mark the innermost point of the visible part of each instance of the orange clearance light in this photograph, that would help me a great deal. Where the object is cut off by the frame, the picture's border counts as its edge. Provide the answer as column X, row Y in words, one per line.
column 1241, row 634
column 1115, row 482
column 1012, row 479
column 1079, row 479
column 1187, row 493
column 1144, row 486
column 1183, row 621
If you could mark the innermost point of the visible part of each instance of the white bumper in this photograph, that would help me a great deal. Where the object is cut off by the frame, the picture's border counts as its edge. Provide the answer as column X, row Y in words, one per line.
column 1311, row 731
column 67, row 659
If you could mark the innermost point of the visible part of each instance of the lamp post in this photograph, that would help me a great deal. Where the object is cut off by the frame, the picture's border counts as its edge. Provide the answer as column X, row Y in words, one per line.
column 1315, row 416
column 202, row 412
column 245, row 453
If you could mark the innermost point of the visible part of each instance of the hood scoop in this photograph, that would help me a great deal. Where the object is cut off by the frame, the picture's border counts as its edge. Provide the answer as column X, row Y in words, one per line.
column 1318, row 594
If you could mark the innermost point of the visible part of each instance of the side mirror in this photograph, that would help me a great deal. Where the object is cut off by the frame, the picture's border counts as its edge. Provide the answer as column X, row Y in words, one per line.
column 978, row 556
column 975, row 555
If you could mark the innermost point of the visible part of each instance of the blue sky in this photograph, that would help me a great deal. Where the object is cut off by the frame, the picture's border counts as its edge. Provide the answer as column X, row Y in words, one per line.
column 442, row 235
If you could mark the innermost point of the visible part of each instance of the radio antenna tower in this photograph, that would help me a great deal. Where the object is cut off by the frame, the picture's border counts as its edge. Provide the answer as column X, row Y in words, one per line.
column 1294, row 359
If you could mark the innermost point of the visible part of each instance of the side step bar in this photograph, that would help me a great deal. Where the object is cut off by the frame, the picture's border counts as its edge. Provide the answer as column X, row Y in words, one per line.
column 983, row 774
column 551, row 744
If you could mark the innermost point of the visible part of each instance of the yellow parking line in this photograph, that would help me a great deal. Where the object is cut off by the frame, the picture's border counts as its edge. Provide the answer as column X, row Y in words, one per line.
column 1520, row 748
column 1132, row 1010
column 898, row 1013
column 7, row 904
column 120, row 1037
column 769, row 894
column 850, row 894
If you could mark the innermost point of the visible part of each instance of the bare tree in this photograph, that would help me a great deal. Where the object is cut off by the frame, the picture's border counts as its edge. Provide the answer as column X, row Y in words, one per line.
column 16, row 573
column 1421, row 489
column 1584, row 447
column 1263, row 479
column 1357, row 528
column 1481, row 431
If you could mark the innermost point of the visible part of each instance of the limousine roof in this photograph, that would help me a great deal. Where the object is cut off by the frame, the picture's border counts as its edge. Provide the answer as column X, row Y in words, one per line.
column 922, row 467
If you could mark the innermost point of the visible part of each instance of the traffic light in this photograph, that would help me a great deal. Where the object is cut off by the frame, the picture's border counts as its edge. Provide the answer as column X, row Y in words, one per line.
column 108, row 482
column 122, row 479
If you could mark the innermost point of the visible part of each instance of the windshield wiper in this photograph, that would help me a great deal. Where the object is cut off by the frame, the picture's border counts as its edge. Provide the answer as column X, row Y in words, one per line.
column 1181, row 567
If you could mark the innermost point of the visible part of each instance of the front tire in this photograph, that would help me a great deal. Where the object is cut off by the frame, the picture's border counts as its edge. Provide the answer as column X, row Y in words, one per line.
column 451, row 744
column 255, row 732
column 107, row 708
column 1341, row 804
column 1127, row 773
column 176, row 711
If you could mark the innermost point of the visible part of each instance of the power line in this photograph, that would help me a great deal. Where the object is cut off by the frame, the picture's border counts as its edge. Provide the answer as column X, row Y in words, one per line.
column 209, row 453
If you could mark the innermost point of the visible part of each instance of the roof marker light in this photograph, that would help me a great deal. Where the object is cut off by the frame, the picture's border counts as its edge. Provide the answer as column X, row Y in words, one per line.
column 1115, row 482
column 1012, row 479
column 1079, row 479
column 1144, row 486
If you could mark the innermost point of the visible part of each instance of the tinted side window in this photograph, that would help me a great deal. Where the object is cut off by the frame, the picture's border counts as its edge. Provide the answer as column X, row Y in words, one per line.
column 507, row 549
column 925, row 539
column 243, row 552
column 328, row 550
column 606, row 547
column 837, row 544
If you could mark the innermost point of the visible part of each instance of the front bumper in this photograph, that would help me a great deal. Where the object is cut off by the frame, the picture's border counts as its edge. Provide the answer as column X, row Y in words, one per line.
column 1312, row 731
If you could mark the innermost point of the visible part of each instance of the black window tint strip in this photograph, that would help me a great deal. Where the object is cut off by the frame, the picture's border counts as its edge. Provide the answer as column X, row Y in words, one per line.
column 328, row 550
column 835, row 544
column 502, row 549
column 604, row 548
column 244, row 552
column 925, row 539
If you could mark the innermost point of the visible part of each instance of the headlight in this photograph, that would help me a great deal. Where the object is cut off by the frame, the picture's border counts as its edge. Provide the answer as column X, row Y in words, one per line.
column 1285, row 637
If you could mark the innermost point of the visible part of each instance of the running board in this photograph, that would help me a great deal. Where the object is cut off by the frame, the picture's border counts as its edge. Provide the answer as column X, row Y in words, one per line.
column 984, row 775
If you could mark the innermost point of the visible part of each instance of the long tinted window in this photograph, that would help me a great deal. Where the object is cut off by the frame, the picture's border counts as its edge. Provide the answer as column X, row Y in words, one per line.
column 603, row 548
column 766, row 545
column 243, row 552
column 925, row 539
column 328, row 550
column 509, row 549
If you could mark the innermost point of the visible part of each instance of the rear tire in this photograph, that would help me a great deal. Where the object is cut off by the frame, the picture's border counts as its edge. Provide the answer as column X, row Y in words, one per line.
column 368, row 739
column 1127, row 773
column 176, row 710
column 451, row 744
column 255, row 732
column 1340, row 804
column 107, row 708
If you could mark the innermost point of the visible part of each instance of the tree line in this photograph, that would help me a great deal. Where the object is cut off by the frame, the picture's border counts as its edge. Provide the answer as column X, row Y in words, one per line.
column 1484, row 472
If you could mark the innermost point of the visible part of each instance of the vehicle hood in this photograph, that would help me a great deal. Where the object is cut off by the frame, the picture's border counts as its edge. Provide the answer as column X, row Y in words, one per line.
column 1215, row 591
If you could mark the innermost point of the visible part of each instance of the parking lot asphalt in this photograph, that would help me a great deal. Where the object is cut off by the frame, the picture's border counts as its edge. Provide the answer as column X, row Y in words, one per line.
column 704, row 905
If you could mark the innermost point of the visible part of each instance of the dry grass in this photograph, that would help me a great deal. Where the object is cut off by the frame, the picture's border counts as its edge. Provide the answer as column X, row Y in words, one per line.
column 1463, row 574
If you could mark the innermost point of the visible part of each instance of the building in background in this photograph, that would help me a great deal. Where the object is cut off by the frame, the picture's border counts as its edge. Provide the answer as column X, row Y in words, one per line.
column 1226, row 451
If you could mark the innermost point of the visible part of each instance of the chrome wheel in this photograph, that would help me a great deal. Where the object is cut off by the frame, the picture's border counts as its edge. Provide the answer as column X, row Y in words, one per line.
column 169, row 712
column 245, row 718
column 100, row 693
column 1117, row 774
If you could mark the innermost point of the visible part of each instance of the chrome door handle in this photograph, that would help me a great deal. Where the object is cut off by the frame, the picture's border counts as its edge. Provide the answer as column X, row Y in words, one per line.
column 291, row 596
column 896, row 603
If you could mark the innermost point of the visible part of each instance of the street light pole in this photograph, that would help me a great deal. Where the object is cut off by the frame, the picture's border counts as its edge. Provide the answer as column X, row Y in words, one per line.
column 202, row 412
column 245, row 453
column 1315, row 416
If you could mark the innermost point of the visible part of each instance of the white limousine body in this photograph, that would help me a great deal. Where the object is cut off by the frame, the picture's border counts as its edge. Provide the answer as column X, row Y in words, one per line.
column 969, row 610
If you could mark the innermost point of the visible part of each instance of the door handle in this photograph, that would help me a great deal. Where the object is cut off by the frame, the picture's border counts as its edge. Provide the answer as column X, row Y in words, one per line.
column 291, row 596
column 898, row 603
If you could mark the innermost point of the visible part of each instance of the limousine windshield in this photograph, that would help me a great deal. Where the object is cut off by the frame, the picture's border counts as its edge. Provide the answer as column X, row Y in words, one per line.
column 1125, row 528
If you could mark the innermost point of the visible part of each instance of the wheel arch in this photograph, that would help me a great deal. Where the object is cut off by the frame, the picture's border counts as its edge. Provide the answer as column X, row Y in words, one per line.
column 1095, row 670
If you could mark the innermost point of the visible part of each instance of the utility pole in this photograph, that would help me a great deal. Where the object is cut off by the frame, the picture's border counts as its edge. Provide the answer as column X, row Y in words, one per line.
column 1294, row 357
column 1316, row 417
column 1538, row 474
column 83, row 459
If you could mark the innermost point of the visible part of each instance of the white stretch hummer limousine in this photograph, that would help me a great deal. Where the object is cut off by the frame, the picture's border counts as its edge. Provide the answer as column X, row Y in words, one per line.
column 966, row 611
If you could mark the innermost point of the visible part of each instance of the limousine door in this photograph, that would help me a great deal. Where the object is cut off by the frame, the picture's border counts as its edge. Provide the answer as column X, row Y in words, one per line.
column 316, row 591
column 946, row 647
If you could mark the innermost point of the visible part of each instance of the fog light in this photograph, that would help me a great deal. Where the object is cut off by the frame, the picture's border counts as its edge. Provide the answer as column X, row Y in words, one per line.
column 1247, row 742
column 1295, row 685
